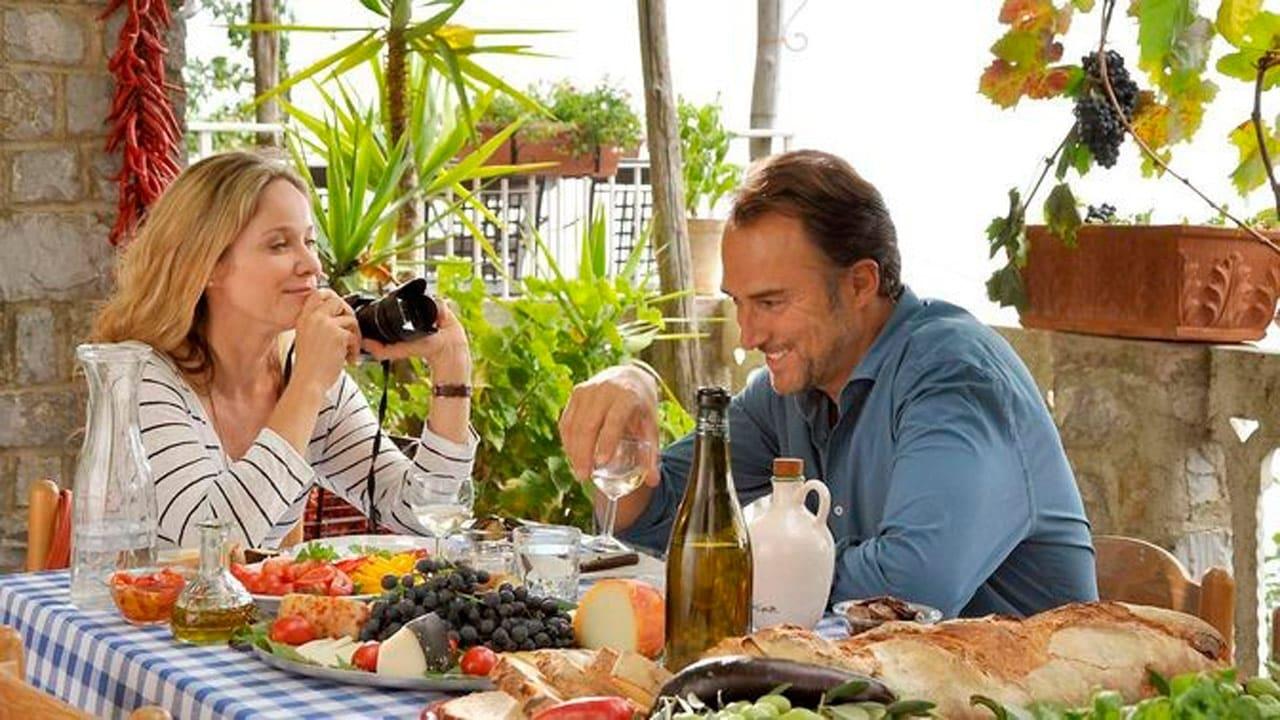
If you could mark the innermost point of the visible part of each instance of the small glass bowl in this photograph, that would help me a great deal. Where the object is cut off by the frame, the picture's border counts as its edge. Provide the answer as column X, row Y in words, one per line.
column 146, row 596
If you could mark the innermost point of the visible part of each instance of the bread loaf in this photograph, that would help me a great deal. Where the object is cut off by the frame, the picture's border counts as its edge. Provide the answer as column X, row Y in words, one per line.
column 1058, row 656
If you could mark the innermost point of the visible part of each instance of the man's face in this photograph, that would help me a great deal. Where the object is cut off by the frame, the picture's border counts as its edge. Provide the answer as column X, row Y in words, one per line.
column 792, row 304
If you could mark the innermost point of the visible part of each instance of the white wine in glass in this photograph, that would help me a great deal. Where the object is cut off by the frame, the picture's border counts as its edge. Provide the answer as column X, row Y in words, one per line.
column 617, row 477
column 440, row 505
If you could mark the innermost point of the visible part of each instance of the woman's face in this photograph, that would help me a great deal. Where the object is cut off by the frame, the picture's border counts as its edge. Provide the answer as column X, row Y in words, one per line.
column 266, row 274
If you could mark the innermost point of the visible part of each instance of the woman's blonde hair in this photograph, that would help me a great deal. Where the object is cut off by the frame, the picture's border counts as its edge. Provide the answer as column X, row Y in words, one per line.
column 162, row 274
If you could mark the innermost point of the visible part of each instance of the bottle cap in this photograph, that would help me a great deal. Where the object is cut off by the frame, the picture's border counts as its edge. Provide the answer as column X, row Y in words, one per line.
column 716, row 397
column 788, row 467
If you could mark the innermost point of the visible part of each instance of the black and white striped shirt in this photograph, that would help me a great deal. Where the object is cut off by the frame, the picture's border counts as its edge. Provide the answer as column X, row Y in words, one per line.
column 264, row 493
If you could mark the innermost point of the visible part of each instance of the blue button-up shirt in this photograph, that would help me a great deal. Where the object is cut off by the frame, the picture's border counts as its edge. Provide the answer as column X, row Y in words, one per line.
column 949, row 485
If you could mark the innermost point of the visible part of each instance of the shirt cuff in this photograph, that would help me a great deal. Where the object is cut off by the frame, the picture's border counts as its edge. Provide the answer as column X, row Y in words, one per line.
column 457, row 452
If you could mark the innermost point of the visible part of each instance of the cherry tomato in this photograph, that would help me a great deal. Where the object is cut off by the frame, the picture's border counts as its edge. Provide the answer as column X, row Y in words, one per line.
column 292, row 630
column 366, row 657
column 479, row 660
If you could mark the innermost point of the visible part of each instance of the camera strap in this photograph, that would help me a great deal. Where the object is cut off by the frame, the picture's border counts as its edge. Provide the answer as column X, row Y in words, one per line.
column 371, row 482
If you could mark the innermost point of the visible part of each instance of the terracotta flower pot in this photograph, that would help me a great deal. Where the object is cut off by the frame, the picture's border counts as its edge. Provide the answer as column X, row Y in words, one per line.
column 704, row 247
column 1171, row 282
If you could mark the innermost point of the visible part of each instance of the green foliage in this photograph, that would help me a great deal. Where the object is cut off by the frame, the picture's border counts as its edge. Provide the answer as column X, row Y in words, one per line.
column 704, row 149
column 528, row 353
column 599, row 117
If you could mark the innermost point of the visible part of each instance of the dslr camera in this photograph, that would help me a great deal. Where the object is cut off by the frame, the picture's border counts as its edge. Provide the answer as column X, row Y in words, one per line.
column 404, row 313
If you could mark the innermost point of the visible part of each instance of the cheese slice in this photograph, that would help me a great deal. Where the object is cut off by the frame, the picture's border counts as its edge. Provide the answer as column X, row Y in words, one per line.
column 327, row 651
column 401, row 655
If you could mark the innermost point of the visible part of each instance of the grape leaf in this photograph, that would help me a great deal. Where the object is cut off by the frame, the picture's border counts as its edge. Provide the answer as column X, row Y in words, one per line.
column 1234, row 17
column 1005, row 287
column 1075, row 154
column 1190, row 49
column 1031, row 15
column 1187, row 105
column 1006, row 233
column 1083, row 5
column 1159, row 23
column 1250, row 172
column 1243, row 65
column 1019, row 47
column 1263, row 31
column 1061, row 215
column 1151, row 120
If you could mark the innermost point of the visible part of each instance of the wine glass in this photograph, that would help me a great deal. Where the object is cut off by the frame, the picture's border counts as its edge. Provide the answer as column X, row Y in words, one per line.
column 439, row 503
column 619, row 475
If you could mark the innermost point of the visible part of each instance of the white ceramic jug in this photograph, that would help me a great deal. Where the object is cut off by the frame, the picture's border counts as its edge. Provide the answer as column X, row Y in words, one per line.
column 793, row 553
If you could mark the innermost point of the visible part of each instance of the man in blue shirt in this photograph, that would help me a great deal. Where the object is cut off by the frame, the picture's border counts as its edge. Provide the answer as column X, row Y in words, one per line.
column 949, row 485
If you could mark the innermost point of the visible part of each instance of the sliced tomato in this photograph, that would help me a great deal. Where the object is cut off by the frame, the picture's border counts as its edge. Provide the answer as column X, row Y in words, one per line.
column 316, row 580
column 300, row 569
column 350, row 565
column 341, row 584
column 274, row 586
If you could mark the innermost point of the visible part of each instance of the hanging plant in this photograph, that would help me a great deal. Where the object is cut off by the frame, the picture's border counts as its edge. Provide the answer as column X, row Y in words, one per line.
column 143, row 127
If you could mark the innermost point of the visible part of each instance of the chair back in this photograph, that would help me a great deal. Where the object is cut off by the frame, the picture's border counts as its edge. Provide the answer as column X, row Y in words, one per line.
column 48, row 526
column 1136, row 571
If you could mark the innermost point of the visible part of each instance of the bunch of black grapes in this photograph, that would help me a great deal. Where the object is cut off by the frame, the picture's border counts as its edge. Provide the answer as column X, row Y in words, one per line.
column 1097, row 123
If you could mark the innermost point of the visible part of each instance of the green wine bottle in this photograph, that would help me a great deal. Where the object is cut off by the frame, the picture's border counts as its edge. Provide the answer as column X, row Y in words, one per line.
column 709, row 554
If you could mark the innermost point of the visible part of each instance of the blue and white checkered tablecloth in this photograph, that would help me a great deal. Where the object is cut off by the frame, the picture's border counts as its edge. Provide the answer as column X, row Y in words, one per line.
column 99, row 663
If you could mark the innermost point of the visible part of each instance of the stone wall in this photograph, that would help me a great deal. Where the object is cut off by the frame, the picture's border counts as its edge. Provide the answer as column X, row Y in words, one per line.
column 57, row 203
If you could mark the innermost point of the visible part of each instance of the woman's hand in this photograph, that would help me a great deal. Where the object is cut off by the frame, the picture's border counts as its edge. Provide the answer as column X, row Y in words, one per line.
column 328, row 337
column 446, row 350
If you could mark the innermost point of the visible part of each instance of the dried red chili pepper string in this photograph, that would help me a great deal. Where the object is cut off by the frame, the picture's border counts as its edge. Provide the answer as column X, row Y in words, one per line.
column 143, row 127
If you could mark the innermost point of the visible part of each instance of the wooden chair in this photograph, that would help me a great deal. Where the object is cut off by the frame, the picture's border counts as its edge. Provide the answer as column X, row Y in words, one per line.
column 49, row 527
column 1136, row 571
column 20, row 700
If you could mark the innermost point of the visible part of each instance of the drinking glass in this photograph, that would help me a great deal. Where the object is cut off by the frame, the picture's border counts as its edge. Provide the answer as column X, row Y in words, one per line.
column 481, row 550
column 621, row 474
column 439, row 503
column 547, row 559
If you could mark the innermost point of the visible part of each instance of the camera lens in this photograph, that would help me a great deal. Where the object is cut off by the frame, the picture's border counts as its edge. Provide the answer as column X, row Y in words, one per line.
column 405, row 313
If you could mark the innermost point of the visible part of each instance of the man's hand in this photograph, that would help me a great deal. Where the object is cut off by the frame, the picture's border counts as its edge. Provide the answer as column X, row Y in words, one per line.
column 617, row 402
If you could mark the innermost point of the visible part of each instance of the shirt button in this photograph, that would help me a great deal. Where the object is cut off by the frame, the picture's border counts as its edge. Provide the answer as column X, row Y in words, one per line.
column 838, row 510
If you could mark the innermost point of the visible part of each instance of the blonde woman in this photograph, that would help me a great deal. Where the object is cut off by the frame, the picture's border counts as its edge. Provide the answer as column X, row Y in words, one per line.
column 223, row 265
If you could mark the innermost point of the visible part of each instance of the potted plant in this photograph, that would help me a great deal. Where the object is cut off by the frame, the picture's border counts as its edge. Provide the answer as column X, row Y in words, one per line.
column 708, row 176
column 1097, row 275
column 584, row 133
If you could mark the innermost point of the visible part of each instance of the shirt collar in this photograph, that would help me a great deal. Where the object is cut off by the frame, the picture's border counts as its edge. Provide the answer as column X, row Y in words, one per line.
column 868, row 367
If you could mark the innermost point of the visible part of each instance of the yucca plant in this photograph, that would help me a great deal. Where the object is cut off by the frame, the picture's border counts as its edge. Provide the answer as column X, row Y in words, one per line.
column 441, row 157
column 445, row 47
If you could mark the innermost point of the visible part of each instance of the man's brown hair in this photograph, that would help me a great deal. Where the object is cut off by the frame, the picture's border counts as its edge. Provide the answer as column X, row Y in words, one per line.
column 842, row 214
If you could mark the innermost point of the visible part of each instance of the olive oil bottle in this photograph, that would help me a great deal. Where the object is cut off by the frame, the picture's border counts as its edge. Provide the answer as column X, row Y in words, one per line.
column 709, row 554
column 214, row 605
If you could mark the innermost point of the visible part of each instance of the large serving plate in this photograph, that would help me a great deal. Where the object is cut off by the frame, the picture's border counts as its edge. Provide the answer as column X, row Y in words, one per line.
column 348, row 546
column 445, row 683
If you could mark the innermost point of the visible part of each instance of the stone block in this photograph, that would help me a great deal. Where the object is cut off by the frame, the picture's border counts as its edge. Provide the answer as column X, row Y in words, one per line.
column 88, row 103
column 8, row 351
column 35, row 345
column 27, row 108
column 36, row 466
column 75, row 326
column 51, row 256
column 40, row 418
column 103, row 168
column 44, row 35
column 51, row 175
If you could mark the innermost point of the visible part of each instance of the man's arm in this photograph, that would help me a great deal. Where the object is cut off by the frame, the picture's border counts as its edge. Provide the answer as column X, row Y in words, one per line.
column 958, row 500
column 753, row 443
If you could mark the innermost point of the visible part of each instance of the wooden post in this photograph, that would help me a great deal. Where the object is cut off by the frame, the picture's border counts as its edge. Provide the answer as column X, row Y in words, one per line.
column 266, row 67
column 764, row 88
column 675, row 360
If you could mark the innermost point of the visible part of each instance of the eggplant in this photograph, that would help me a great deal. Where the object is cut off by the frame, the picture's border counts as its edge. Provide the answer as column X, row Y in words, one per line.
column 718, row 681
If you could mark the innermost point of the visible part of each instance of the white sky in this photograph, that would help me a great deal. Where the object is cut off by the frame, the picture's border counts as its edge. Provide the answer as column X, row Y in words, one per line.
column 890, row 86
